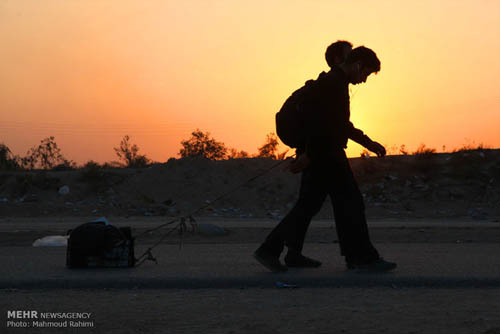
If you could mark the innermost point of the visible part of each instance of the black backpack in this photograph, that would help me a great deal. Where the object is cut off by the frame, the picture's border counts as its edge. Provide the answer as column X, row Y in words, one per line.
column 290, row 120
column 97, row 244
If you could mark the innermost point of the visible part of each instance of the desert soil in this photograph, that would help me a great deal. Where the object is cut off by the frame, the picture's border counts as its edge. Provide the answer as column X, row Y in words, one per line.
column 457, row 185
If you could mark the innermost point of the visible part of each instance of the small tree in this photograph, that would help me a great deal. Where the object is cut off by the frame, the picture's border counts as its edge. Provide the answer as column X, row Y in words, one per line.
column 201, row 144
column 7, row 161
column 46, row 155
column 270, row 148
column 129, row 154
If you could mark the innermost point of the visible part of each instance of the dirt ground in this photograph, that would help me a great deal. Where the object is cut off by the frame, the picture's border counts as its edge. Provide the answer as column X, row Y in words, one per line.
column 452, row 185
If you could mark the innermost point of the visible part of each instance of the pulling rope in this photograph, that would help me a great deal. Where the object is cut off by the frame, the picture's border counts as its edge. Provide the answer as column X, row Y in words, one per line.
column 182, row 227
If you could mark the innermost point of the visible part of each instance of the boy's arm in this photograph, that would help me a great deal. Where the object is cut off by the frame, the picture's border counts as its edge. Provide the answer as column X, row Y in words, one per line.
column 359, row 137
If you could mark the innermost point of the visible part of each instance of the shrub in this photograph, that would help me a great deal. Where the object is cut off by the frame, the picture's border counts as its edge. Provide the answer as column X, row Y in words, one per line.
column 270, row 148
column 365, row 154
column 92, row 173
column 202, row 145
column 7, row 160
column 91, row 164
column 235, row 154
column 423, row 150
column 46, row 155
column 129, row 154
column 472, row 147
column 112, row 164
column 66, row 165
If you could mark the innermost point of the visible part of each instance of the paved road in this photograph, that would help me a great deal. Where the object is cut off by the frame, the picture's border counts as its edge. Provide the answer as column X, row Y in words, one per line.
column 428, row 255
column 447, row 281
column 231, row 266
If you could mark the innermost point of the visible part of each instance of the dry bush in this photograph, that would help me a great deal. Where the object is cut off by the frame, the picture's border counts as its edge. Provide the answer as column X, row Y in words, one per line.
column 129, row 153
column 235, row 154
column 423, row 150
column 472, row 147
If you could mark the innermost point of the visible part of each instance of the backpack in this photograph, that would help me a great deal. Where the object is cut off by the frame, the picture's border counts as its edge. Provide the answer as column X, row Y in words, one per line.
column 97, row 244
column 290, row 120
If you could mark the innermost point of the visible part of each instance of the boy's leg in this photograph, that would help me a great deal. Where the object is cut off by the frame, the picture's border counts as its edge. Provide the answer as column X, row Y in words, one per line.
column 292, row 228
column 349, row 211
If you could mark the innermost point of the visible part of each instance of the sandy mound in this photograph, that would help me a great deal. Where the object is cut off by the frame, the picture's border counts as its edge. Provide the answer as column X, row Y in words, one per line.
column 462, row 184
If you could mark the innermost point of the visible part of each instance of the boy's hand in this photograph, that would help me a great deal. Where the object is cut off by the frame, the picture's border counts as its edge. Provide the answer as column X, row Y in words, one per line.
column 299, row 164
column 376, row 148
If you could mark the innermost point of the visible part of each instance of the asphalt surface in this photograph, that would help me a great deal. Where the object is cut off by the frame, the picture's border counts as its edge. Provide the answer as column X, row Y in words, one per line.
column 429, row 254
column 447, row 281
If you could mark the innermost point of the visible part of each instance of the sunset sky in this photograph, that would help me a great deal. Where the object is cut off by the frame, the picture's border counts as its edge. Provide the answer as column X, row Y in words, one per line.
column 91, row 71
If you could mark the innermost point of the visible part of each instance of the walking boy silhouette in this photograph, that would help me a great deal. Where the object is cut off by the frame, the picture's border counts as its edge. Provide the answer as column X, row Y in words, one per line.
column 324, row 107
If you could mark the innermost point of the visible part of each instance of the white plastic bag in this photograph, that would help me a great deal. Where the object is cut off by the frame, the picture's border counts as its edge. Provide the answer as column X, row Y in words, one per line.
column 52, row 241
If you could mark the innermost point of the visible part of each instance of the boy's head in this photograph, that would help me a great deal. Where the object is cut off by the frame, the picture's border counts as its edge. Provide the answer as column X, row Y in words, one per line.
column 337, row 52
column 361, row 62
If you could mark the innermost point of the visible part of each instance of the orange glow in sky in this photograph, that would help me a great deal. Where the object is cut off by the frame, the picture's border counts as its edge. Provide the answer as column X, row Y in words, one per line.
column 89, row 72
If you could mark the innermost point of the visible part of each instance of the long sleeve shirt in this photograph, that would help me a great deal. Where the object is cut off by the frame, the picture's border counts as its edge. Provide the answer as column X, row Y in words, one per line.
column 326, row 116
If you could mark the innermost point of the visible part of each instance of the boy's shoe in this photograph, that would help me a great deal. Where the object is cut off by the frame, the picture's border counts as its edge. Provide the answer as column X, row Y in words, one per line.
column 301, row 261
column 269, row 261
column 379, row 265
